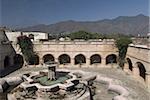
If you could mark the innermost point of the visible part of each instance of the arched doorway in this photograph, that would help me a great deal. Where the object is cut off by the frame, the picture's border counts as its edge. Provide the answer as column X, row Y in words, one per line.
column 48, row 58
column 142, row 69
column 79, row 59
column 95, row 59
column 6, row 62
column 18, row 60
column 112, row 58
column 64, row 59
column 130, row 64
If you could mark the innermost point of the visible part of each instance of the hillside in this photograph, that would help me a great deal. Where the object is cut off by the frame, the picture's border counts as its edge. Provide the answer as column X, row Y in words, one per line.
column 123, row 24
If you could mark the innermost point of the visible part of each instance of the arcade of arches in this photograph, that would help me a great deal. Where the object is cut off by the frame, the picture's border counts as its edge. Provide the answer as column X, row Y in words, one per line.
column 138, row 65
column 79, row 59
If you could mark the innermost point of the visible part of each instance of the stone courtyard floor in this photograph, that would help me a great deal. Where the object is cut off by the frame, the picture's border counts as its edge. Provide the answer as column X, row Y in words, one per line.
column 136, row 90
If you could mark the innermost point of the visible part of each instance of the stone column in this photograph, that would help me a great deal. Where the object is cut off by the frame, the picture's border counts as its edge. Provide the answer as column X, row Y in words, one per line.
column 72, row 62
column 103, row 61
column 56, row 60
column 148, row 80
column 126, row 67
column 135, row 71
column 87, row 62
column 41, row 61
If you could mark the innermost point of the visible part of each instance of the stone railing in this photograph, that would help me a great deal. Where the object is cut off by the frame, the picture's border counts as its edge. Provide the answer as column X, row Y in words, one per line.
column 140, row 46
column 94, row 41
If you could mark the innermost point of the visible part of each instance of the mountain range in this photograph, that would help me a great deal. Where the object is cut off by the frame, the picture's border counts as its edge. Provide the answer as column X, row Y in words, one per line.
column 123, row 24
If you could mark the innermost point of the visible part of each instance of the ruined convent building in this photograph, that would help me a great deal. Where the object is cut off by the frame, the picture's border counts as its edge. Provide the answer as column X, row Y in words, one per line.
column 79, row 53
column 7, row 55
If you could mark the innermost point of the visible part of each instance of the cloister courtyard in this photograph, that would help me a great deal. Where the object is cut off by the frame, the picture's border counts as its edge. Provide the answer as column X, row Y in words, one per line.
column 136, row 89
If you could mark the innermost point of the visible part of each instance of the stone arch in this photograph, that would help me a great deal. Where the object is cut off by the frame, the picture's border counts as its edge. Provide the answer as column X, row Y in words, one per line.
column 142, row 70
column 6, row 61
column 48, row 58
column 112, row 58
column 79, row 59
column 129, row 63
column 64, row 59
column 18, row 60
column 96, row 58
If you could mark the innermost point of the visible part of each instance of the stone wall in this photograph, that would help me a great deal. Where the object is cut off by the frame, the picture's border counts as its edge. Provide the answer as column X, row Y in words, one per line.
column 139, row 65
column 139, row 53
column 73, row 48
column 7, row 52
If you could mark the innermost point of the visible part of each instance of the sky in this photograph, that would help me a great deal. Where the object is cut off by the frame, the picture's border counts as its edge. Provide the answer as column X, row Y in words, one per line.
column 21, row 13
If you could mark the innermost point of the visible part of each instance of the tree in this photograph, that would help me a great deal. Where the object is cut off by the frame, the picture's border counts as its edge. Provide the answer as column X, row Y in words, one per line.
column 26, row 46
column 122, row 45
column 84, row 35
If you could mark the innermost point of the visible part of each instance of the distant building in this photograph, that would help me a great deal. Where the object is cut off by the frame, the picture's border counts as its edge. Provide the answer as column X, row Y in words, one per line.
column 35, row 36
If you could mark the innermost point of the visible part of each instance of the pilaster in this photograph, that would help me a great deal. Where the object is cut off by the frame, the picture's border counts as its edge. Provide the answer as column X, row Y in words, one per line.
column 103, row 61
column 72, row 62
column 126, row 67
column 136, row 71
column 87, row 62
column 148, row 80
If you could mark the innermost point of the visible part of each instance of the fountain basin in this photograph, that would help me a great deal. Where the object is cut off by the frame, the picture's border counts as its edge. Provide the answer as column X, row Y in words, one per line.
column 64, row 80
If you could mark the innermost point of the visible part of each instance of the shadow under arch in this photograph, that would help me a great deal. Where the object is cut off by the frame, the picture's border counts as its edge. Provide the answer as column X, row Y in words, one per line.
column 129, row 63
column 6, row 61
column 111, row 58
column 17, row 64
column 48, row 58
column 64, row 59
column 96, row 58
column 142, row 70
column 79, row 59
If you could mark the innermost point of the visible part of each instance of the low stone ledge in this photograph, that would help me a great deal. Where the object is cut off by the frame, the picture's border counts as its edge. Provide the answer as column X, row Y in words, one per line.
column 118, row 89
column 119, row 98
column 14, row 80
column 123, row 93
column 3, row 86
column 67, row 86
column 104, row 80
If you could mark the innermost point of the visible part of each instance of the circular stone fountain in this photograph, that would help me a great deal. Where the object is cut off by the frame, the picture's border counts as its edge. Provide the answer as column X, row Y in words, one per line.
column 50, row 84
